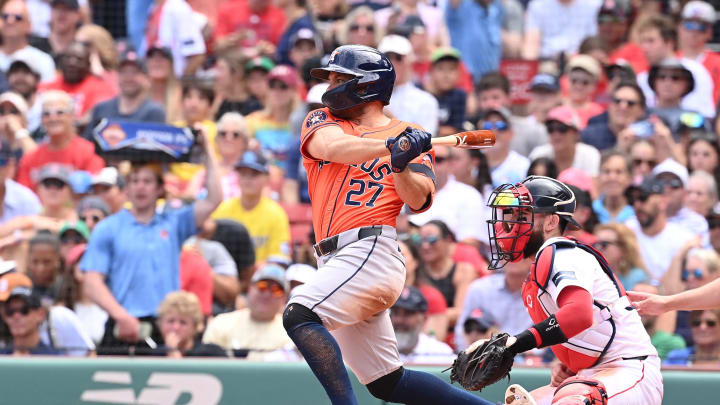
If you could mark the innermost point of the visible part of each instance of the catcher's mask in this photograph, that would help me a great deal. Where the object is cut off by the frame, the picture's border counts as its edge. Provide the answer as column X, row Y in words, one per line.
column 513, row 214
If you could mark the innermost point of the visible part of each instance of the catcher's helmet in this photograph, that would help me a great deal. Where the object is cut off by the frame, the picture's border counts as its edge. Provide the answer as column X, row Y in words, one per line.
column 374, row 77
column 513, row 214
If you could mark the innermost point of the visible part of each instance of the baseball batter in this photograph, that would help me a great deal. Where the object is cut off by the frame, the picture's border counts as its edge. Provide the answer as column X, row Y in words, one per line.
column 357, row 191
column 579, row 307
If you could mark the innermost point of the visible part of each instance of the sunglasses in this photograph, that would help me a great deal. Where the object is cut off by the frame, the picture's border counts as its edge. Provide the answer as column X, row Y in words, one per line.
column 357, row 27
column 230, row 134
column 639, row 162
column 557, row 127
column 53, row 183
column 9, row 111
column 638, row 196
column 603, row 244
column 630, row 103
column 88, row 218
column 11, row 17
column 577, row 80
column 495, row 125
column 697, row 274
column 440, row 159
column 431, row 240
column 278, row 85
column 709, row 322
column 23, row 310
column 674, row 184
column 274, row 288
column 698, row 26
column 676, row 77
column 59, row 111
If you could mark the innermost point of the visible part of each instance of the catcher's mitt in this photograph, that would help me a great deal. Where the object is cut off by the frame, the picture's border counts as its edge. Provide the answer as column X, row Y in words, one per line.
column 484, row 363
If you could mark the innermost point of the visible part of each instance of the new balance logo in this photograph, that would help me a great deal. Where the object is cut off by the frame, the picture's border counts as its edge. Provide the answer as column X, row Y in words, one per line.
column 161, row 389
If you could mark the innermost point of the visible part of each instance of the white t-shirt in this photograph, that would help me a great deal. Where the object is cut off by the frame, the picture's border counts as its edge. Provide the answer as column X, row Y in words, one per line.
column 658, row 251
column 461, row 207
column 562, row 26
column 93, row 319
column 429, row 350
column 68, row 334
column 693, row 222
column 180, row 31
column 587, row 158
column 700, row 99
column 576, row 267
column 41, row 61
column 411, row 104
column 512, row 170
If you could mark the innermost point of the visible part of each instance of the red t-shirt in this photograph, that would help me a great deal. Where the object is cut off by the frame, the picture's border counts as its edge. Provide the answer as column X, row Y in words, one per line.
column 80, row 154
column 435, row 299
column 468, row 254
column 86, row 94
column 196, row 277
column 711, row 61
column 235, row 15
column 633, row 54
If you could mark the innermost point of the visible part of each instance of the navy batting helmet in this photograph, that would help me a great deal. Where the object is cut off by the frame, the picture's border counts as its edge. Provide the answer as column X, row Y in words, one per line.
column 374, row 77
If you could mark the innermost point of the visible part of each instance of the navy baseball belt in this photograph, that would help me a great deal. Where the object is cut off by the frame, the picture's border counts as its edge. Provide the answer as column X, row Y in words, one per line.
column 333, row 243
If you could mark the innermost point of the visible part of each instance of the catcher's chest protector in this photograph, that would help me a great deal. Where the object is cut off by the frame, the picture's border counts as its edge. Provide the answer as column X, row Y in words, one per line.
column 587, row 348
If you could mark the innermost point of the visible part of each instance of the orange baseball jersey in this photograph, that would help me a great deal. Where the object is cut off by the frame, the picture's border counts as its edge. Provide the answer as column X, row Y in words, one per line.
column 349, row 196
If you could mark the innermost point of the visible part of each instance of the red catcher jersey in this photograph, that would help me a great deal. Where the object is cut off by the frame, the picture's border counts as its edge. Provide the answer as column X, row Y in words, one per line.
column 344, row 196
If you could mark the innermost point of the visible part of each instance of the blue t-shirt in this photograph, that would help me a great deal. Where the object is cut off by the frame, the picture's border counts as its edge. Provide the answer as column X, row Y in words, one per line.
column 680, row 357
column 604, row 216
column 475, row 32
column 296, row 171
column 140, row 261
column 635, row 276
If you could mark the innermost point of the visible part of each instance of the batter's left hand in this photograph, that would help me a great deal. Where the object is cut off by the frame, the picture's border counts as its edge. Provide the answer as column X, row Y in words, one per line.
column 407, row 146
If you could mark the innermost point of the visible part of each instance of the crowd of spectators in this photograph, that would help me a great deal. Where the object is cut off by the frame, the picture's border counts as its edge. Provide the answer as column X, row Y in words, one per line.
column 102, row 256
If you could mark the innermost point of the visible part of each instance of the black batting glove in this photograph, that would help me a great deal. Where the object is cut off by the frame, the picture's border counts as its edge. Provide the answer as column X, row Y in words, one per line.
column 406, row 147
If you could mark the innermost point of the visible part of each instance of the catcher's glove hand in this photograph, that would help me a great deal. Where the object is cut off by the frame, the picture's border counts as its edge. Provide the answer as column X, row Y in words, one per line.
column 483, row 363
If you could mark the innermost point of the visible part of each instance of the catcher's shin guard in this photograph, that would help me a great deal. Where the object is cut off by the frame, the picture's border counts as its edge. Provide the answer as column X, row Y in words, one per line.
column 580, row 391
column 517, row 395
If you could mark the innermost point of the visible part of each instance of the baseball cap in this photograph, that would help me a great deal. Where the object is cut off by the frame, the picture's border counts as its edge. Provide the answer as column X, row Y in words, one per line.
column 306, row 34
column 54, row 171
column 409, row 25
column 650, row 185
column 299, row 272
column 444, row 53
column 502, row 111
column 16, row 100
column 259, row 62
column 130, row 56
column 32, row 299
column 395, row 44
column 699, row 10
column 253, row 160
column 612, row 9
column 544, row 82
column 271, row 272
column 108, row 176
column 314, row 95
column 80, row 182
column 77, row 226
column 71, row 4
column 9, row 282
column 93, row 202
column 586, row 63
column 7, row 266
column 673, row 167
column 480, row 318
column 411, row 299
column 576, row 177
column 25, row 59
column 163, row 50
column 565, row 115
column 285, row 74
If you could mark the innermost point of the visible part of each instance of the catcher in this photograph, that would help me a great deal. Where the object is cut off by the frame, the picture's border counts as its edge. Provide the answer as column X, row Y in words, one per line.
column 580, row 309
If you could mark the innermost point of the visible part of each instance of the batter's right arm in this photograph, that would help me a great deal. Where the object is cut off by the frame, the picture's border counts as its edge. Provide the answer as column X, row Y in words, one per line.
column 332, row 144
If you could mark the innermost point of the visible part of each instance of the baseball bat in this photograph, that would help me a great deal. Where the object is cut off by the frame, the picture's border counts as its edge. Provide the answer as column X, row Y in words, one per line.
column 479, row 139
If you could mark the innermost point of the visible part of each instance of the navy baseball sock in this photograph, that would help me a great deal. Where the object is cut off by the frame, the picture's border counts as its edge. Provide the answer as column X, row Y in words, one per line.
column 322, row 354
column 418, row 388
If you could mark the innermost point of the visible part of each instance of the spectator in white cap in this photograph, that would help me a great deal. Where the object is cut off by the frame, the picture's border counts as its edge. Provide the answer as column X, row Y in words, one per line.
column 657, row 38
column 695, row 30
column 15, row 32
column 23, row 78
column 583, row 72
column 304, row 44
column 408, row 102
column 675, row 179
column 13, row 122
column 109, row 185
column 257, row 328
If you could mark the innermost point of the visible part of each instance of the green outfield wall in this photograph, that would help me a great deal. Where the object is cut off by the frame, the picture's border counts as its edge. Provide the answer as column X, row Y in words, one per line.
column 140, row 381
